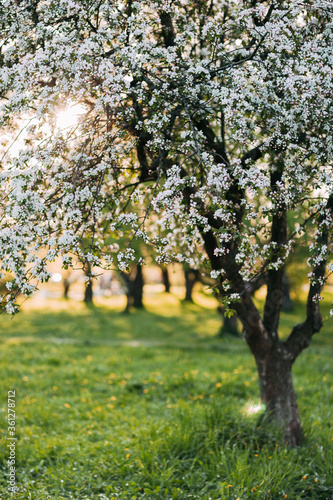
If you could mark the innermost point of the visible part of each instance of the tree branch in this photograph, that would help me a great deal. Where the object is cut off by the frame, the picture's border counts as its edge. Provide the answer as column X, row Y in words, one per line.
column 301, row 335
column 254, row 154
column 255, row 333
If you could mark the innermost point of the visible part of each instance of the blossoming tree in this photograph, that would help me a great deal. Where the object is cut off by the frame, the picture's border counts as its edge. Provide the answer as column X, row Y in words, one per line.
column 202, row 127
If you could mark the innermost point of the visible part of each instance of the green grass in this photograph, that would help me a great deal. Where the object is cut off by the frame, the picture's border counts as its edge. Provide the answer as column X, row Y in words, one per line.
column 152, row 405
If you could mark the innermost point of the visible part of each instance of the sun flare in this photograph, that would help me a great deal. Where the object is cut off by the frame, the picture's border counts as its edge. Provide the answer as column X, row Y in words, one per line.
column 69, row 116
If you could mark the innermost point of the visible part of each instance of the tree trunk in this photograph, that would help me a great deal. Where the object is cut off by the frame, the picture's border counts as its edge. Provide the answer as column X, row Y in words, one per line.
column 138, row 288
column 190, row 280
column 134, row 288
column 88, row 292
column 66, row 287
column 165, row 279
column 277, row 393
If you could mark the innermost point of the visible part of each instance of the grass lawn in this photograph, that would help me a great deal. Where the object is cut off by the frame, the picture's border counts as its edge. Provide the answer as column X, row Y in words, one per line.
column 152, row 405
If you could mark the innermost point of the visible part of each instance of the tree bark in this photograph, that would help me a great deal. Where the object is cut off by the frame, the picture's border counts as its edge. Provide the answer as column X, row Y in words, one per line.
column 88, row 292
column 165, row 279
column 191, row 277
column 134, row 288
column 138, row 288
column 66, row 287
column 277, row 393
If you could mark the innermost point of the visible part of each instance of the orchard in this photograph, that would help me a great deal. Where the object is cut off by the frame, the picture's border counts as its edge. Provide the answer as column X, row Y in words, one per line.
column 202, row 129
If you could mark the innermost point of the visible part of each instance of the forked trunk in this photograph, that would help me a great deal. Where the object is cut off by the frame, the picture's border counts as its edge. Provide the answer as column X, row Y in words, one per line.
column 277, row 393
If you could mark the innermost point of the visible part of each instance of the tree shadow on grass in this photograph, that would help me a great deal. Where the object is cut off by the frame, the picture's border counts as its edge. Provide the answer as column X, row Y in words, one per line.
column 193, row 324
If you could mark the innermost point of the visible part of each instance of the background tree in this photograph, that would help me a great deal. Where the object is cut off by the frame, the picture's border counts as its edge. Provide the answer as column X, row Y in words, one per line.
column 134, row 283
column 191, row 277
column 165, row 278
column 189, row 112
column 68, row 279
column 88, row 286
